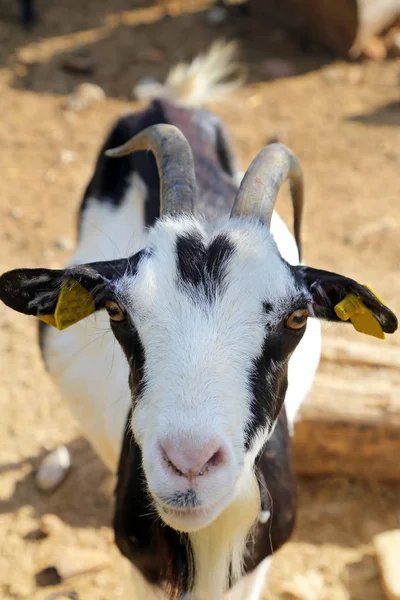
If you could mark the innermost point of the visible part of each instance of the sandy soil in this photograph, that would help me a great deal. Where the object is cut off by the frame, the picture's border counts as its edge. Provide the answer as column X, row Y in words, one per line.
column 344, row 123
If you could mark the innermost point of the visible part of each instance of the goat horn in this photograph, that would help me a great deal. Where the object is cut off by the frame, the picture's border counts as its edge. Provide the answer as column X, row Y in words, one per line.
column 258, row 191
column 174, row 162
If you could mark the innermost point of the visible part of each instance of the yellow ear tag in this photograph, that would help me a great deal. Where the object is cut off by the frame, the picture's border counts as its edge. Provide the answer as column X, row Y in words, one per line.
column 74, row 304
column 353, row 308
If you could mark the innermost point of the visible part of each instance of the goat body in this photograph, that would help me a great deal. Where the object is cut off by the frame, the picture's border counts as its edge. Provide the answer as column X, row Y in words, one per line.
column 209, row 314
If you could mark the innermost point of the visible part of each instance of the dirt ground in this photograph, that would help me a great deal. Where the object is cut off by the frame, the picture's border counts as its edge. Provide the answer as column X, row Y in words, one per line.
column 343, row 121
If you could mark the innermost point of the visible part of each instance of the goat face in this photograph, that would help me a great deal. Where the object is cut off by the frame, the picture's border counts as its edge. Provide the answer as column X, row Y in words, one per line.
column 206, row 339
column 208, row 322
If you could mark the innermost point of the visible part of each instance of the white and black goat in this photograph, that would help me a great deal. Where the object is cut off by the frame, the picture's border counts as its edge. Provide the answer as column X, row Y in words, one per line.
column 217, row 342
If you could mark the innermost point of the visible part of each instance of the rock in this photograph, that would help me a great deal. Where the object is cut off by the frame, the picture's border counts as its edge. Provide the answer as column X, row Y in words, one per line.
column 84, row 96
column 62, row 244
column 16, row 213
column 77, row 64
column 217, row 15
column 71, row 562
column 51, row 524
column 63, row 594
column 67, row 156
column 53, row 469
column 387, row 548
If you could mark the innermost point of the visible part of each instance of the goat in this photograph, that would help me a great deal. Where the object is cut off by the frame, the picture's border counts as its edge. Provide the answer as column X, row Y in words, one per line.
column 218, row 339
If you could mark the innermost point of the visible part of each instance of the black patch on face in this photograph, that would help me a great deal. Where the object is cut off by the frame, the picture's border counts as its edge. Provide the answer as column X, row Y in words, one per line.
column 203, row 267
column 157, row 550
column 268, row 378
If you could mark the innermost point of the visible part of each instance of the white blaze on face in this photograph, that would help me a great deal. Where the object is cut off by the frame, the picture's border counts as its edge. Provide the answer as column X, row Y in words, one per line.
column 199, row 351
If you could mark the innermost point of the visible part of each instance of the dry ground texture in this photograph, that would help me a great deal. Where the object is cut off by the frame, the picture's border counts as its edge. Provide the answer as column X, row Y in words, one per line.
column 342, row 120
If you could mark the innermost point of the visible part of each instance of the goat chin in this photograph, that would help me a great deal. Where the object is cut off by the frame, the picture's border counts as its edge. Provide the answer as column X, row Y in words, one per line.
column 190, row 520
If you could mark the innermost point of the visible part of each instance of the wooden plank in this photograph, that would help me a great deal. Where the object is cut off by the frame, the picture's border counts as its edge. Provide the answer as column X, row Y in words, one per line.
column 361, row 353
column 348, row 428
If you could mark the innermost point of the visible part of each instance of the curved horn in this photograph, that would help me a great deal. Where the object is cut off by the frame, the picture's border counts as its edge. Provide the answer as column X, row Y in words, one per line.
column 174, row 162
column 258, row 191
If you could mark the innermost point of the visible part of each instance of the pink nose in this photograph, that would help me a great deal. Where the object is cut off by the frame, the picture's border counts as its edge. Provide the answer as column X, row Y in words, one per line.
column 189, row 460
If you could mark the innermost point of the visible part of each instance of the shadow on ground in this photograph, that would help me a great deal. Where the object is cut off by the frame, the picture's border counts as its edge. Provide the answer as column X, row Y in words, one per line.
column 130, row 40
column 84, row 499
column 389, row 114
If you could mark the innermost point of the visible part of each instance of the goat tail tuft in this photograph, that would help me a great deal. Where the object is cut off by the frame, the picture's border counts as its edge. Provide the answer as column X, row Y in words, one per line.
column 209, row 77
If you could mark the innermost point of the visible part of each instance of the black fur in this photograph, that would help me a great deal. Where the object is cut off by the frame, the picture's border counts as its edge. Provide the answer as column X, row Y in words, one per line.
column 214, row 161
column 328, row 289
column 268, row 379
column 27, row 11
column 203, row 267
column 159, row 552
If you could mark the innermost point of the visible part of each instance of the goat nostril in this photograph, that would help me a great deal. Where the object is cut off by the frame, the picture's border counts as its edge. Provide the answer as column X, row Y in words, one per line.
column 189, row 463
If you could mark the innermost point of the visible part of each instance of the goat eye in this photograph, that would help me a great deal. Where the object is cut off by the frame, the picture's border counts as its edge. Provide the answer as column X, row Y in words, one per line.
column 297, row 319
column 115, row 312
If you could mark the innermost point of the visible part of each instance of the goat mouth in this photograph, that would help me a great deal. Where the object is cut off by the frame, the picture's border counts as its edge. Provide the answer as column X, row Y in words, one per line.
column 194, row 517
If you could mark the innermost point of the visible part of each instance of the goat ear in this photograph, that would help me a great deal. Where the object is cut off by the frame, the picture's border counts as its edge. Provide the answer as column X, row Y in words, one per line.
column 338, row 298
column 59, row 297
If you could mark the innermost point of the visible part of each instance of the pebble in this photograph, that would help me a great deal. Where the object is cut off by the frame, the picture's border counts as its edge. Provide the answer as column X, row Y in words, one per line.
column 53, row 469
column 62, row 244
column 84, row 95
column 16, row 213
column 77, row 64
column 67, row 156
column 387, row 548
column 216, row 15
column 63, row 594
column 70, row 562
column 51, row 524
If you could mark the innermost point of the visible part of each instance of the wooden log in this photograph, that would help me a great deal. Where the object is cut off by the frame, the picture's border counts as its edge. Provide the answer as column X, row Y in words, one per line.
column 343, row 432
column 361, row 353
column 342, row 25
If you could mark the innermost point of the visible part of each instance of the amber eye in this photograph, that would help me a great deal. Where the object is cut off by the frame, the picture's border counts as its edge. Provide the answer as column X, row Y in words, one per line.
column 297, row 319
column 115, row 312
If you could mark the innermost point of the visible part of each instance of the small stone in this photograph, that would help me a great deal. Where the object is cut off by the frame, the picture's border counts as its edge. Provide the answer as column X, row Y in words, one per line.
column 70, row 562
column 67, row 156
column 51, row 524
column 81, row 65
column 387, row 548
column 84, row 96
column 16, row 213
column 62, row 244
column 63, row 594
column 53, row 469
column 217, row 15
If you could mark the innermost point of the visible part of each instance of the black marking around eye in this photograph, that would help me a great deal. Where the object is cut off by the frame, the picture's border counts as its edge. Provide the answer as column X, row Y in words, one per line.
column 200, row 266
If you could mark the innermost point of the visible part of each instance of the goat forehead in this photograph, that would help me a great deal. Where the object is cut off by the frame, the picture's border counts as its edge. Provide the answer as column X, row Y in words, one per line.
column 209, row 280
